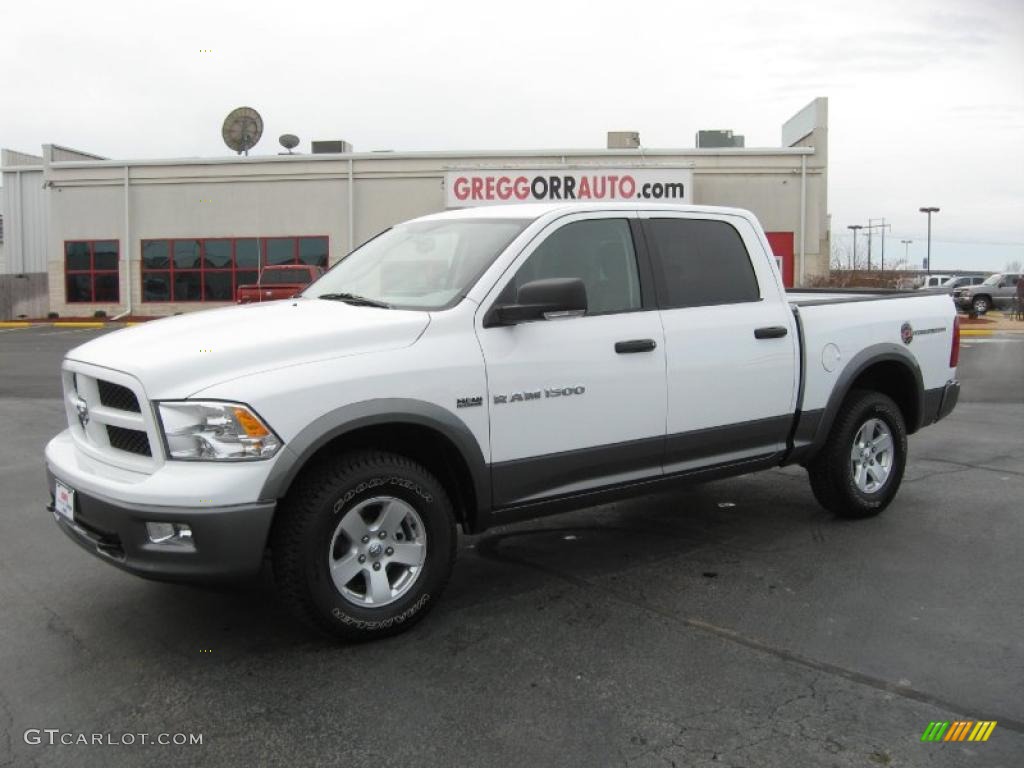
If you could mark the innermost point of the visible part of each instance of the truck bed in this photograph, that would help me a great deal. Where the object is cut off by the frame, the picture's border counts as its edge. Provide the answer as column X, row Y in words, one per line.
column 809, row 297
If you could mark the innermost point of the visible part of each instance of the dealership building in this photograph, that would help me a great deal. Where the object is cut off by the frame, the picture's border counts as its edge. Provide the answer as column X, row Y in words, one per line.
column 82, row 233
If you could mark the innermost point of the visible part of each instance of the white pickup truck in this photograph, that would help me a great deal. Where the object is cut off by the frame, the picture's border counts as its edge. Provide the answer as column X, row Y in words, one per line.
column 474, row 368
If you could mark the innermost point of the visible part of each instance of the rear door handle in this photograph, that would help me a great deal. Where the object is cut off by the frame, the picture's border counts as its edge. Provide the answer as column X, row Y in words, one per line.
column 635, row 345
column 771, row 332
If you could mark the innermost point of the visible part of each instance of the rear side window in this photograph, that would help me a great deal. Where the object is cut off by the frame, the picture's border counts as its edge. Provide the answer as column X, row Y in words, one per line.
column 702, row 262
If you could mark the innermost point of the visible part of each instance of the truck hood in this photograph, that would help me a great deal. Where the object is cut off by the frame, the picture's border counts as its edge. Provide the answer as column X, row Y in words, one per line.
column 179, row 356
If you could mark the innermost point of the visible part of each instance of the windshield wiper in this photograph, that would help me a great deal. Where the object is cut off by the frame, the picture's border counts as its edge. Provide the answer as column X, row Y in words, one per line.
column 352, row 298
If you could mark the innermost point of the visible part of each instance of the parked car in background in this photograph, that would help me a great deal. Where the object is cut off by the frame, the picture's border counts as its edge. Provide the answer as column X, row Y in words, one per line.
column 280, row 282
column 963, row 281
column 998, row 290
column 934, row 281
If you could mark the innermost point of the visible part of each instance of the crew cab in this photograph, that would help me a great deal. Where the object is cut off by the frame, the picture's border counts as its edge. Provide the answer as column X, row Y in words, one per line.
column 475, row 368
column 278, row 282
column 998, row 291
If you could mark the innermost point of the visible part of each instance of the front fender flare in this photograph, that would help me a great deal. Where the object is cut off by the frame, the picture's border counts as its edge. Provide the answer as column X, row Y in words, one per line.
column 348, row 418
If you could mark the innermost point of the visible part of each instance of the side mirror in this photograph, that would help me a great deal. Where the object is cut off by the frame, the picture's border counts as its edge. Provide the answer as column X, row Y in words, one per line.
column 540, row 299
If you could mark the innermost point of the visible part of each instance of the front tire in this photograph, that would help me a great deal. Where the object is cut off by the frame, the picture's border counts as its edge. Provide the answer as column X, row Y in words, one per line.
column 363, row 544
column 860, row 468
column 981, row 305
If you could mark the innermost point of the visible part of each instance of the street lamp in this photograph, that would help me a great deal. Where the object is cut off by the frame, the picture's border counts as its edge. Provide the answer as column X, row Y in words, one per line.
column 906, row 252
column 928, row 259
column 853, row 259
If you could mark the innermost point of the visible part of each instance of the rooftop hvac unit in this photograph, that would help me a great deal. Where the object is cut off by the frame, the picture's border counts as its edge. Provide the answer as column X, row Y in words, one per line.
column 718, row 139
column 623, row 139
column 332, row 147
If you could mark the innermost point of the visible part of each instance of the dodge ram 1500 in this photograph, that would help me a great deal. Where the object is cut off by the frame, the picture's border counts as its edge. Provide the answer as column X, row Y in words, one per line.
column 480, row 367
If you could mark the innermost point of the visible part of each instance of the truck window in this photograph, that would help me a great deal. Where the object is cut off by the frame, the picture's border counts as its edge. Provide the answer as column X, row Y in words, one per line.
column 599, row 252
column 299, row 275
column 702, row 262
column 428, row 265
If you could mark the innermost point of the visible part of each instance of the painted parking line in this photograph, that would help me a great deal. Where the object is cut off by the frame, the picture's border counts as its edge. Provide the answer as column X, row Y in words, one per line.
column 13, row 325
column 993, row 340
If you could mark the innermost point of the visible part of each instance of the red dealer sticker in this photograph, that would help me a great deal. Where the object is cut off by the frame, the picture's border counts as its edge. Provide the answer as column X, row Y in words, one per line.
column 483, row 188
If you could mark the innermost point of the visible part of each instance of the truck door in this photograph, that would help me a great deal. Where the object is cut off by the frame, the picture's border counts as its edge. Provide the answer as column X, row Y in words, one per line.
column 577, row 402
column 730, row 341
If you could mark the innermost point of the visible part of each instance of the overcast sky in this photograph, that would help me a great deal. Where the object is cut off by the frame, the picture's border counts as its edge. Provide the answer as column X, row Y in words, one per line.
column 926, row 98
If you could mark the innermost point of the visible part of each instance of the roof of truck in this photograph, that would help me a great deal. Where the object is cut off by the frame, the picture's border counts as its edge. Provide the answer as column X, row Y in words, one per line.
column 537, row 210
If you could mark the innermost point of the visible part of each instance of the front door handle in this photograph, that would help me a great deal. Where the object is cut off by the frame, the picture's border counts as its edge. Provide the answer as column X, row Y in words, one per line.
column 635, row 345
column 771, row 332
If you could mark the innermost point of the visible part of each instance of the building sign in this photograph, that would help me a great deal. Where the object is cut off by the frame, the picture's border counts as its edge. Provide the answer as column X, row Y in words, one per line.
column 500, row 187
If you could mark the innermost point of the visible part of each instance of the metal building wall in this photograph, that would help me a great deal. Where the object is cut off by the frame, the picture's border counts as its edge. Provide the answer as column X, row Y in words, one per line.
column 24, row 276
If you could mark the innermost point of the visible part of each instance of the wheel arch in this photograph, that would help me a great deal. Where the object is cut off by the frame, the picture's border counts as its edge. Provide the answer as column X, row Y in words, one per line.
column 421, row 431
column 885, row 368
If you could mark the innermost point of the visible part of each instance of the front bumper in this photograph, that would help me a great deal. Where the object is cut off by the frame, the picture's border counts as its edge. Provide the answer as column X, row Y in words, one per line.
column 227, row 542
column 219, row 502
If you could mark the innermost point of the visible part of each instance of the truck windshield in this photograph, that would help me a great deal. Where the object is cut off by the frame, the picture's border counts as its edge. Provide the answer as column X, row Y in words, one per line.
column 422, row 264
column 993, row 279
column 290, row 276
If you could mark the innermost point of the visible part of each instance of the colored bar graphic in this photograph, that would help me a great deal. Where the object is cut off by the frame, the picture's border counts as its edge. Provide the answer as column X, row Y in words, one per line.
column 958, row 730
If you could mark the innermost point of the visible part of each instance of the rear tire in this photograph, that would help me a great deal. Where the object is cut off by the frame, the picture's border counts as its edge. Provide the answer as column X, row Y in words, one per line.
column 860, row 468
column 363, row 545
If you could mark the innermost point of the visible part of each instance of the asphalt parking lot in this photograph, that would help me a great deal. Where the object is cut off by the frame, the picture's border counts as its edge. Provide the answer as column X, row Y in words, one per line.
column 734, row 624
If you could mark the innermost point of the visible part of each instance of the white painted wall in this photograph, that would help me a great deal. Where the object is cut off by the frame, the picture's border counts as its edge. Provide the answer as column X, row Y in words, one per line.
column 309, row 195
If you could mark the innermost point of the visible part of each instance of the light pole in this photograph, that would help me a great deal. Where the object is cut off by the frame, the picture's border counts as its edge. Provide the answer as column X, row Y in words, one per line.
column 928, row 259
column 906, row 251
column 853, row 258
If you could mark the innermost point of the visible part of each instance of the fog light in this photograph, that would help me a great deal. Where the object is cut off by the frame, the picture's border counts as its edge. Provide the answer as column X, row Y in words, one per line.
column 170, row 534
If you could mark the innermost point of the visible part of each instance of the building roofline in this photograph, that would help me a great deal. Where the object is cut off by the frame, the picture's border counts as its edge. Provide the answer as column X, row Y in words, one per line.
column 439, row 154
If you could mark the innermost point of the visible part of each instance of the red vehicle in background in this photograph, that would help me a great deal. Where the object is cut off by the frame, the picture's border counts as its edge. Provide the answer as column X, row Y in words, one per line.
column 281, row 282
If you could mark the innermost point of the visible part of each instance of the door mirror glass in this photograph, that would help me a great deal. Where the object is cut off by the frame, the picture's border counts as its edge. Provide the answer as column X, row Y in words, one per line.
column 542, row 300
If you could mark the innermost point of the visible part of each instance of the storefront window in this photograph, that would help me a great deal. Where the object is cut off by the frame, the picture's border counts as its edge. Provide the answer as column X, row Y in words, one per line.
column 91, row 271
column 211, row 269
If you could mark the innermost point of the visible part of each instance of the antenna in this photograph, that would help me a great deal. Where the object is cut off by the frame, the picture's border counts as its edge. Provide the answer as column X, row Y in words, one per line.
column 242, row 129
column 289, row 141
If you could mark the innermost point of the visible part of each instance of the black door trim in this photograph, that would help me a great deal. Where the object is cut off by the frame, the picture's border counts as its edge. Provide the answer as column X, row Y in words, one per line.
column 522, row 481
column 729, row 443
column 587, row 470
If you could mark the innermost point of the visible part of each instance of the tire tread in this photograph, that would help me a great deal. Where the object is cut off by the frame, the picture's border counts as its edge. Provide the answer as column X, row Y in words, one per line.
column 297, row 513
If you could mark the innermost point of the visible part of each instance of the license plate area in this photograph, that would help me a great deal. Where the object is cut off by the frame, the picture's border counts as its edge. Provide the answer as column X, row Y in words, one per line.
column 64, row 501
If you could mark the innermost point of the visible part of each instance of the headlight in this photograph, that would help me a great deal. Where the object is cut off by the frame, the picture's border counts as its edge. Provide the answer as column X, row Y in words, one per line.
column 214, row 431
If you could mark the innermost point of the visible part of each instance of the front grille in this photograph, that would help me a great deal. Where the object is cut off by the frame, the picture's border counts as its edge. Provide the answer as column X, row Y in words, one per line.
column 130, row 440
column 106, row 419
column 115, row 396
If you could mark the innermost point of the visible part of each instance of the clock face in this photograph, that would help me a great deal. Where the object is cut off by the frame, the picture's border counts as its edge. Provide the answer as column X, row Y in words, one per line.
column 242, row 129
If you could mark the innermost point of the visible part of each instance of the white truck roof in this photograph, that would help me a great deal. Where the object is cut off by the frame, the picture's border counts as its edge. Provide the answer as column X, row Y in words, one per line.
column 537, row 210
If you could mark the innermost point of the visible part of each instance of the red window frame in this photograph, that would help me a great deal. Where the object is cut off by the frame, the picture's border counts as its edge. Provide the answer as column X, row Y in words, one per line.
column 92, row 272
column 171, row 270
